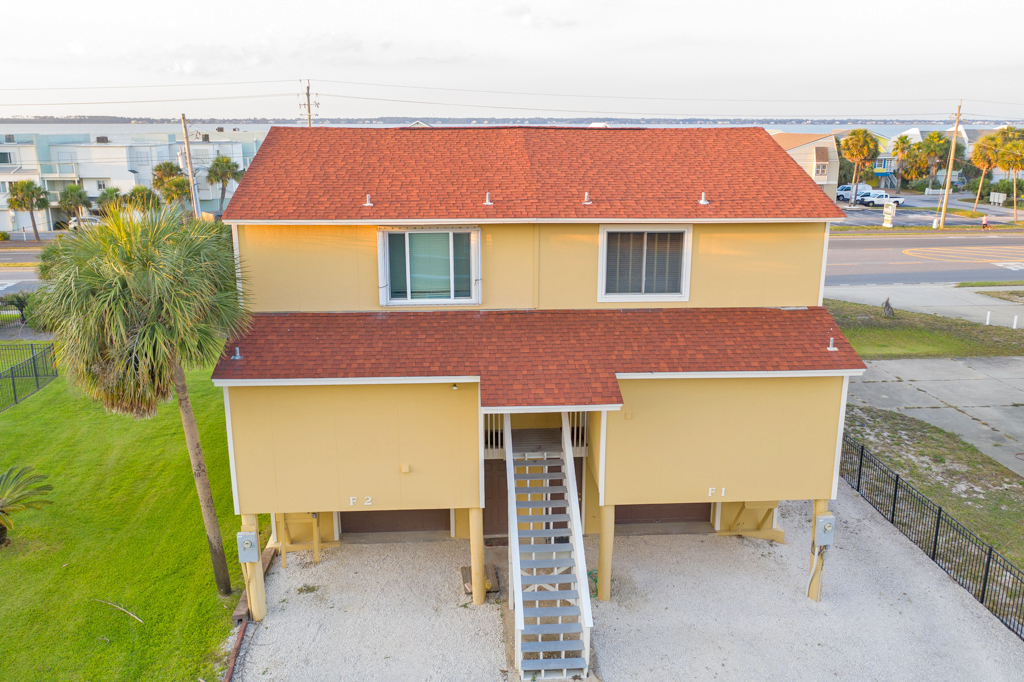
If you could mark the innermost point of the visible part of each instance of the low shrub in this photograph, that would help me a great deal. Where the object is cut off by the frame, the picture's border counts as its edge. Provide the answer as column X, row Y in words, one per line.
column 5, row 236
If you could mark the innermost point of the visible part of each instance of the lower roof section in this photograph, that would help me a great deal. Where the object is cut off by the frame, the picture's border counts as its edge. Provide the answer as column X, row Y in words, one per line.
column 536, row 358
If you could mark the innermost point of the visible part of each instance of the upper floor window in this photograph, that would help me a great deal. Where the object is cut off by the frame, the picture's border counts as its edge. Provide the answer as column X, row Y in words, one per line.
column 644, row 264
column 820, row 169
column 430, row 267
column 5, row 157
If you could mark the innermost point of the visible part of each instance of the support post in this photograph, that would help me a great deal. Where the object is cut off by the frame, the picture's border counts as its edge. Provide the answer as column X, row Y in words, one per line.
column 604, row 555
column 253, row 573
column 476, row 551
column 817, row 563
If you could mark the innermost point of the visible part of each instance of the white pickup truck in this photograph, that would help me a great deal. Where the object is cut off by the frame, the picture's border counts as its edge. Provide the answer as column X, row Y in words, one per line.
column 879, row 198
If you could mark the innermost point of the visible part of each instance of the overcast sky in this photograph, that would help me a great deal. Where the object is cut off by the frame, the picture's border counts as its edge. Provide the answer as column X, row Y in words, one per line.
column 748, row 51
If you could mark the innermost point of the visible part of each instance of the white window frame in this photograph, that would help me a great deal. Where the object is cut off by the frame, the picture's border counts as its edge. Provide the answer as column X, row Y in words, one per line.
column 602, row 297
column 383, row 267
column 823, row 167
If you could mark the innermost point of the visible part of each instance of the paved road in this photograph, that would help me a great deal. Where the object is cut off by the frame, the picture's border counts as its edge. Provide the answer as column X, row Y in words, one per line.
column 925, row 259
column 921, row 210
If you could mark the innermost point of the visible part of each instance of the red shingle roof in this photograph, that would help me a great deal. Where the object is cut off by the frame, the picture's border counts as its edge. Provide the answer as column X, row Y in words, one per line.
column 548, row 357
column 530, row 172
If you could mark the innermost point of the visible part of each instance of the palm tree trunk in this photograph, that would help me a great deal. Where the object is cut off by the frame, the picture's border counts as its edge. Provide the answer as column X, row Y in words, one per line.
column 981, row 182
column 1014, row 196
column 931, row 178
column 223, row 191
column 32, row 216
column 195, row 454
column 853, row 185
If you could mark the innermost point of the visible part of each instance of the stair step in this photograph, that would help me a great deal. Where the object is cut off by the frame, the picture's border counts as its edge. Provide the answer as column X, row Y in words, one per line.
column 544, row 518
column 544, row 549
column 563, row 645
column 554, row 664
column 542, row 504
column 551, row 611
column 553, row 629
column 520, row 462
column 549, row 595
column 556, row 578
column 540, row 489
column 545, row 533
column 540, row 477
column 547, row 563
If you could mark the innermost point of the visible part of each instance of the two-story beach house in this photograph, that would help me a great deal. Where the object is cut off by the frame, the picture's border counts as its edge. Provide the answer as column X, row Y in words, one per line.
column 532, row 333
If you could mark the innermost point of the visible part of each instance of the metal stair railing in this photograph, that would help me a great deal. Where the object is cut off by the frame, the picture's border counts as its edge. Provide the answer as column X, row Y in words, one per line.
column 576, row 526
column 515, row 573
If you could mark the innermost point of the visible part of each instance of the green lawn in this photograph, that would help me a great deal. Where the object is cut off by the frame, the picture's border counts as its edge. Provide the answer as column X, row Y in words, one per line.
column 125, row 527
column 917, row 335
column 991, row 284
column 970, row 486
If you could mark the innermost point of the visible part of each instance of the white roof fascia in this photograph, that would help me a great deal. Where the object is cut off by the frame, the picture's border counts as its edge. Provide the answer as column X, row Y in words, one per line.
column 531, row 221
column 347, row 381
column 742, row 374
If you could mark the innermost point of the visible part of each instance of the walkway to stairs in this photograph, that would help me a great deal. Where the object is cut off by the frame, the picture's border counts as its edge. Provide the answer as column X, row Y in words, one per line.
column 549, row 591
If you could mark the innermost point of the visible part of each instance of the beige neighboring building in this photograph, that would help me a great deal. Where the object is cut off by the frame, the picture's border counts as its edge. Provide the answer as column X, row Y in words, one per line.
column 816, row 154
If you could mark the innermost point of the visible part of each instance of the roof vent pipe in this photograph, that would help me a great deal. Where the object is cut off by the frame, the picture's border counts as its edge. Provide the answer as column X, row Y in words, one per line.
column 831, row 344
column 487, row 200
column 237, row 355
column 703, row 199
column 586, row 199
column 367, row 201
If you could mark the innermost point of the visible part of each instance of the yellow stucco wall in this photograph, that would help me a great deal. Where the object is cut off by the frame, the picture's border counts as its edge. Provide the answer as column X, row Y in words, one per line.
column 308, row 448
column 334, row 268
column 759, row 439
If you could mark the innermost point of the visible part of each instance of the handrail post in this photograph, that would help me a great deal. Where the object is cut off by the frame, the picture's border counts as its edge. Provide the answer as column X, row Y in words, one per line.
column 513, row 539
column 575, row 519
column 14, row 385
column 35, row 368
column 935, row 542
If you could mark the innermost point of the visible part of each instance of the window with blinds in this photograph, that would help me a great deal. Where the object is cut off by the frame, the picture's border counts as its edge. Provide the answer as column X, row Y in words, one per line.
column 644, row 262
column 430, row 265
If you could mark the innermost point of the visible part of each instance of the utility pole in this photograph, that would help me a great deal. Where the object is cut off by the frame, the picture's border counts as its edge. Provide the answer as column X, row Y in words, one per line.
column 309, row 106
column 949, row 167
column 191, row 176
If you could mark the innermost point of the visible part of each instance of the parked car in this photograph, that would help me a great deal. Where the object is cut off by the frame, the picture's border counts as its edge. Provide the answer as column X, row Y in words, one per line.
column 75, row 222
column 843, row 192
column 878, row 198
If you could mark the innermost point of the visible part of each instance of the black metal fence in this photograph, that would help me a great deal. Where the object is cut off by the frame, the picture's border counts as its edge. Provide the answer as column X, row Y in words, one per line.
column 24, row 369
column 970, row 561
column 9, row 316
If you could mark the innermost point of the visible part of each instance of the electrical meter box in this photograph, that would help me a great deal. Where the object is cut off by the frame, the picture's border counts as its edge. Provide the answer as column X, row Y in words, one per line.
column 248, row 547
column 824, row 530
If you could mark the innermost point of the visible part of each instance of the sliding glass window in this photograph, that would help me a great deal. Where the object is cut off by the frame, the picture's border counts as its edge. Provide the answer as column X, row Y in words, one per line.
column 431, row 266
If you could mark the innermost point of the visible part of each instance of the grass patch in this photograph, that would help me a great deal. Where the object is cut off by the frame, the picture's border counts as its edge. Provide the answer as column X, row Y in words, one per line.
column 917, row 335
column 971, row 487
column 125, row 527
column 1012, row 296
column 1017, row 283
column 965, row 213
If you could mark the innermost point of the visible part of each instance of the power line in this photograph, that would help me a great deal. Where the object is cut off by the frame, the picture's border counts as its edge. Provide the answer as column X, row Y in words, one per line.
column 131, row 87
column 148, row 101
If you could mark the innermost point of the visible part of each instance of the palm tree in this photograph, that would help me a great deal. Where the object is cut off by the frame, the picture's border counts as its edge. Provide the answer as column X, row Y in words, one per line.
column 901, row 149
column 859, row 147
column 73, row 199
column 143, row 196
column 1011, row 160
column 108, row 197
column 222, row 171
column 177, row 190
column 26, row 195
column 164, row 171
column 133, row 304
column 20, row 490
column 935, row 147
column 985, row 157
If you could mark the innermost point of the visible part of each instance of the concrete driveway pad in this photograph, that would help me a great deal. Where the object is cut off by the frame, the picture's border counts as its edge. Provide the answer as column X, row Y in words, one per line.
column 981, row 392
column 1009, row 418
column 697, row 607
column 872, row 374
column 925, row 370
column 892, row 395
column 998, row 368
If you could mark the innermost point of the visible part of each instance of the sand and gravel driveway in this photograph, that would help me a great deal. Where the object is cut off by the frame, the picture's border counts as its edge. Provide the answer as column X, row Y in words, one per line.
column 685, row 607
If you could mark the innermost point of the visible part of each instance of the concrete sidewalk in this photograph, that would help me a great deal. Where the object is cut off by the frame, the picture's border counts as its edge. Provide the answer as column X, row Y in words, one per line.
column 936, row 299
column 979, row 399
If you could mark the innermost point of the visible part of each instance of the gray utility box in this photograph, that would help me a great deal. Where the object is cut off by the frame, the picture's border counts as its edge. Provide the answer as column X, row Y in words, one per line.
column 824, row 530
column 248, row 547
